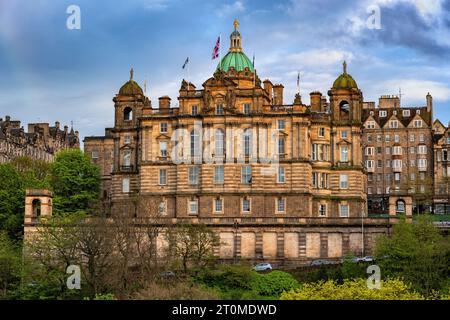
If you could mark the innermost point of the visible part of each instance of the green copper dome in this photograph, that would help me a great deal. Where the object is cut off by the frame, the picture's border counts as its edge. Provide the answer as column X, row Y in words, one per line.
column 131, row 88
column 237, row 60
column 345, row 81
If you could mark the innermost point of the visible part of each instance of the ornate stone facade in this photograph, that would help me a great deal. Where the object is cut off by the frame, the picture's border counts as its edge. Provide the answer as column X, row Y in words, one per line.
column 41, row 142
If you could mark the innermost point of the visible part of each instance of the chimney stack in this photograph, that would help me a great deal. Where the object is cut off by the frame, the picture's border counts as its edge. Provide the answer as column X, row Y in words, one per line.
column 268, row 87
column 316, row 101
column 278, row 94
column 429, row 102
column 164, row 103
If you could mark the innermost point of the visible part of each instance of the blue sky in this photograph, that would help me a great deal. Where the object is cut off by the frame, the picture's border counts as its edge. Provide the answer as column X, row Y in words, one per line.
column 50, row 73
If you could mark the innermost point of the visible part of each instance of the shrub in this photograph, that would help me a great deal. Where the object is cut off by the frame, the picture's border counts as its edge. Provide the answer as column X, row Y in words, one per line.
column 274, row 283
column 175, row 291
column 391, row 289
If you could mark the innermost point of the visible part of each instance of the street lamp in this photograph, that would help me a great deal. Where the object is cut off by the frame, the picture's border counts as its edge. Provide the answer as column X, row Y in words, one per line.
column 235, row 226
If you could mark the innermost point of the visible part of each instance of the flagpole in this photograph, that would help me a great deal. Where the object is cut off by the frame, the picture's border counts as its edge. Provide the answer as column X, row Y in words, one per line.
column 189, row 62
column 220, row 51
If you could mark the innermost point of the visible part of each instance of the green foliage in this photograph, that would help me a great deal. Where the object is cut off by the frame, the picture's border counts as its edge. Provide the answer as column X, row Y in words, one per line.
column 352, row 270
column 273, row 283
column 418, row 253
column 356, row 289
column 75, row 182
column 9, row 264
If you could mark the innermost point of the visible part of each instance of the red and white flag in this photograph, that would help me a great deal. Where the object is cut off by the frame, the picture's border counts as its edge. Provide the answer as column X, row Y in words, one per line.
column 216, row 50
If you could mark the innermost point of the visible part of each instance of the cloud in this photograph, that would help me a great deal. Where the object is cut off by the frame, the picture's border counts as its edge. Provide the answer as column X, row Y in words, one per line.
column 229, row 9
column 156, row 5
column 416, row 90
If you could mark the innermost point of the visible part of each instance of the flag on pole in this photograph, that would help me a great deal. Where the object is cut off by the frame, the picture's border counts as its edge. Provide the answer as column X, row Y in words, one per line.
column 216, row 50
column 186, row 63
column 253, row 61
column 298, row 82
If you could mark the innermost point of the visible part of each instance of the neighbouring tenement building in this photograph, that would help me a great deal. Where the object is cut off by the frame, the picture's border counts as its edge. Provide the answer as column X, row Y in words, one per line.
column 441, row 140
column 279, row 180
column 398, row 154
column 41, row 142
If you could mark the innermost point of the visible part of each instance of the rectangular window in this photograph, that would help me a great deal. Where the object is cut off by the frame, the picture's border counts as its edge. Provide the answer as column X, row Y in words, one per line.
column 127, row 158
column 247, row 174
column 370, row 125
column 383, row 114
column 412, row 150
column 388, row 163
column 388, row 150
column 393, row 124
column 219, row 109
column 163, row 127
column 422, row 137
column 322, row 210
column 246, row 205
column 162, row 177
column 343, row 210
column 163, row 149
column 219, row 175
column 343, row 181
column 369, row 151
column 281, row 175
column 314, row 179
column 193, row 175
column 422, row 163
column 379, row 163
column 126, row 185
column 379, row 150
column 94, row 154
column 387, row 138
column 422, row 149
column 281, row 125
column 412, row 138
column 406, row 113
column 369, row 164
column 344, row 134
column 281, row 205
column 281, row 146
column 369, row 138
column 246, row 108
column 397, row 176
column 321, row 132
column 194, row 110
column 397, row 150
column 218, row 205
column 396, row 138
column 314, row 151
column 412, row 163
column 127, row 139
column 193, row 207
column 344, row 153
column 418, row 123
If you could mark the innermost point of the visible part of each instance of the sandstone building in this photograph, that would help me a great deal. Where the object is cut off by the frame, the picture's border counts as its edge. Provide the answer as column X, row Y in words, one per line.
column 441, row 174
column 398, row 154
column 41, row 142
column 278, row 180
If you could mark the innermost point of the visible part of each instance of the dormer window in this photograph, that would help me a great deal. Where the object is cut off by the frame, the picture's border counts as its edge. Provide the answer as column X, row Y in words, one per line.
column 393, row 124
column 382, row 114
column 406, row 113
column 418, row 123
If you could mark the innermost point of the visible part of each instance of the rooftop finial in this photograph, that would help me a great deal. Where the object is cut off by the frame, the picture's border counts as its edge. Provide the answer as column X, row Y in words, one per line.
column 345, row 67
column 236, row 24
column 131, row 73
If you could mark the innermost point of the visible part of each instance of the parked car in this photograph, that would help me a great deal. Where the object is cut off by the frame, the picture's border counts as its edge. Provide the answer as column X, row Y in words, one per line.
column 320, row 262
column 262, row 267
column 366, row 259
column 167, row 274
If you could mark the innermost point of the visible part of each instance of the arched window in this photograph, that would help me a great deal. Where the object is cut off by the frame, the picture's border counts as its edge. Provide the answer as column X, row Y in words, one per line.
column 344, row 110
column 220, row 137
column 128, row 114
column 36, row 205
column 400, row 206
column 195, row 144
column 247, row 142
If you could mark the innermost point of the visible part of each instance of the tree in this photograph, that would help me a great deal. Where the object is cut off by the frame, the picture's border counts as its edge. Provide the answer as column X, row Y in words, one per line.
column 12, row 198
column 75, row 182
column 416, row 252
column 355, row 289
column 192, row 244
column 9, row 264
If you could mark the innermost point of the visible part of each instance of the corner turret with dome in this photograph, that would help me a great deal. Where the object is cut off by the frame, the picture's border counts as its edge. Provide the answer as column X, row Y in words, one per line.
column 345, row 81
column 235, row 58
column 131, row 88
